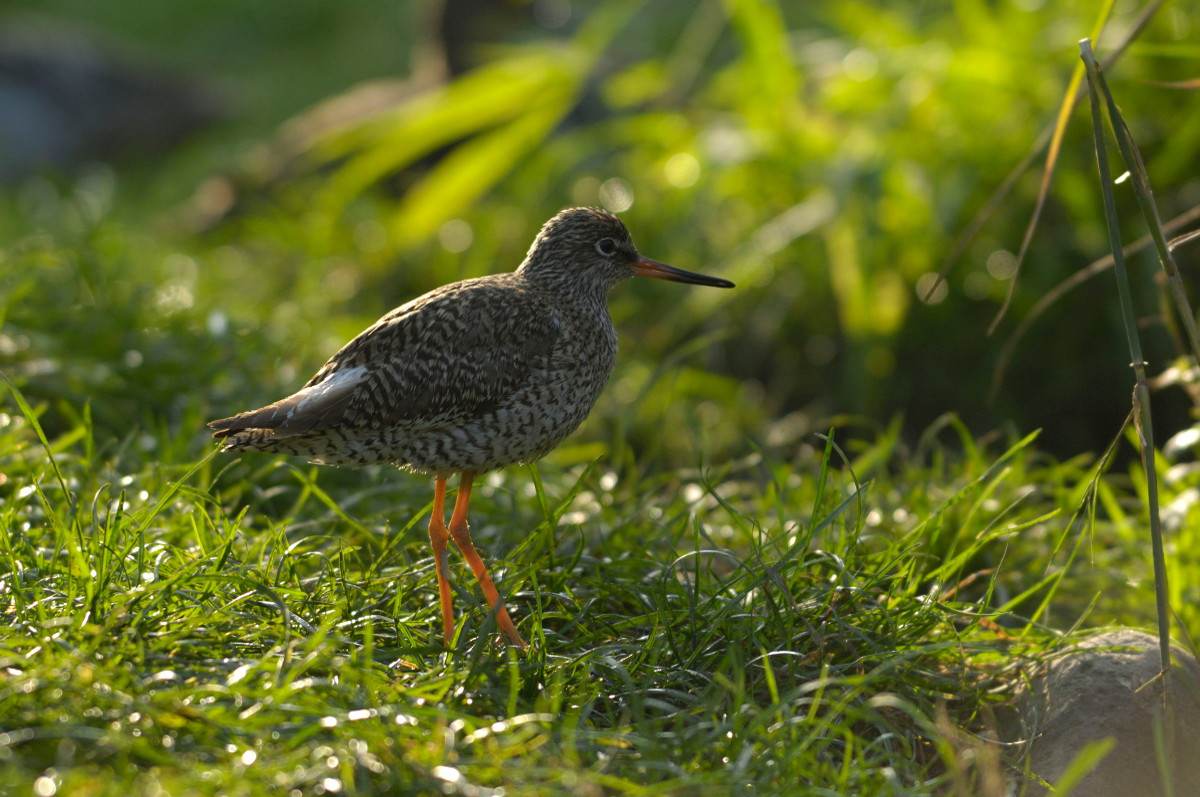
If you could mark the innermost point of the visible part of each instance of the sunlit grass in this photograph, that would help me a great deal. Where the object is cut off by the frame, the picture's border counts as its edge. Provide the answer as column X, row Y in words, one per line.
column 784, row 615
column 718, row 599
column 250, row 626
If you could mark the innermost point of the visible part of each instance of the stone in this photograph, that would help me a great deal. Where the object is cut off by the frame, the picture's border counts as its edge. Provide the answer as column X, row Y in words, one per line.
column 1107, row 686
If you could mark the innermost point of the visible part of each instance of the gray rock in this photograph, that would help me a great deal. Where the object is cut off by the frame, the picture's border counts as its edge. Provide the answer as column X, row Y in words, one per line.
column 1108, row 686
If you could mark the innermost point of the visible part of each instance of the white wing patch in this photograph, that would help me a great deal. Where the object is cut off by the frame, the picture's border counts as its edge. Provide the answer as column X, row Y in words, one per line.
column 337, row 386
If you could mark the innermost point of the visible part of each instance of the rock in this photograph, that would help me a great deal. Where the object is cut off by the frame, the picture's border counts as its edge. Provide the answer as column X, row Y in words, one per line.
column 1106, row 686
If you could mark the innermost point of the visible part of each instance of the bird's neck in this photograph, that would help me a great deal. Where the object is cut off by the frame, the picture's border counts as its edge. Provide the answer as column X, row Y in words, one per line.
column 573, row 290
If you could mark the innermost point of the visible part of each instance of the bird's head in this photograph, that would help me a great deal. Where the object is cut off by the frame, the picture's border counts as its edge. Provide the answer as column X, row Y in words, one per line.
column 582, row 248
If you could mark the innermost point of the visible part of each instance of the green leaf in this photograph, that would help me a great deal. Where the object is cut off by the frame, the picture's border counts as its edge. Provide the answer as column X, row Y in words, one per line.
column 467, row 173
column 482, row 99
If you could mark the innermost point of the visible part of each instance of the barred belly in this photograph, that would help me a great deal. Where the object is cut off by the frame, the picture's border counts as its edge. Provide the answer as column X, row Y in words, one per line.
column 523, row 429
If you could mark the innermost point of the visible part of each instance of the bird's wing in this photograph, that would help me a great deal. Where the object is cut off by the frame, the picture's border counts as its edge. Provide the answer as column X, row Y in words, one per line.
column 449, row 355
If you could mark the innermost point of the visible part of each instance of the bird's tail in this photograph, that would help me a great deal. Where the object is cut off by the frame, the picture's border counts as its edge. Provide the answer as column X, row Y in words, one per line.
column 252, row 430
column 249, row 440
column 315, row 406
column 264, row 418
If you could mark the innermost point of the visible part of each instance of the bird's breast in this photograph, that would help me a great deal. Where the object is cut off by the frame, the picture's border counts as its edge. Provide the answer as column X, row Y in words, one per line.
column 587, row 349
column 561, row 393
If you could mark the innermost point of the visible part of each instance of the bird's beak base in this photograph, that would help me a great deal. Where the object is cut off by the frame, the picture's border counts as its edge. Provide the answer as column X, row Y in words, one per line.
column 645, row 267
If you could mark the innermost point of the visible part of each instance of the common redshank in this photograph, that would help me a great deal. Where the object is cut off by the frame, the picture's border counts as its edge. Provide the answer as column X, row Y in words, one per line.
column 470, row 377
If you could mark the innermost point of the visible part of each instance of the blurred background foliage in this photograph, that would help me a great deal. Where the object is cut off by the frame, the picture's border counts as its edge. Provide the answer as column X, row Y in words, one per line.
column 824, row 155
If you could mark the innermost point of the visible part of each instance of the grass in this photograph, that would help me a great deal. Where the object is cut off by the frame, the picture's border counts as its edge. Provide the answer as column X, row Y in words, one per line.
column 718, row 601
column 1143, row 420
column 222, row 629
column 182, row 622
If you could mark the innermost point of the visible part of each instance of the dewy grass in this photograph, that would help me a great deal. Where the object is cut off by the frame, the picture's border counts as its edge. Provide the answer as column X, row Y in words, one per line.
column 196, row 627
column 1141, row 395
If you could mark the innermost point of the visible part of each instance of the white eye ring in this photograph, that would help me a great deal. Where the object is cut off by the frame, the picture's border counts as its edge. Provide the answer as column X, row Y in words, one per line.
column 606, row 247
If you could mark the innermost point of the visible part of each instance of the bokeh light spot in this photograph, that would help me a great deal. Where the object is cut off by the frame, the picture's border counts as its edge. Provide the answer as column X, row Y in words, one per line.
column 616, row 195
column 931, row 288
column 682, row 170
column 456, row 236
column 860, row 64
column 1002, row 264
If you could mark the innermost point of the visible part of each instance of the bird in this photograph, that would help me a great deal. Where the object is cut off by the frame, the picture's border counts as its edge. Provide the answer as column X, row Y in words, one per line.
column 470, row 377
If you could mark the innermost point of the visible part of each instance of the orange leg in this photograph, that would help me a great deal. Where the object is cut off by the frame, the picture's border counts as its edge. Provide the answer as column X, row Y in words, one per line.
column 462, row 538
column 438, row 535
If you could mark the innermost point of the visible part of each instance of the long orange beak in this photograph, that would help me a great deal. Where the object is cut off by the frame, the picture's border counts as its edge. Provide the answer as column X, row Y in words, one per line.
column 645, row 267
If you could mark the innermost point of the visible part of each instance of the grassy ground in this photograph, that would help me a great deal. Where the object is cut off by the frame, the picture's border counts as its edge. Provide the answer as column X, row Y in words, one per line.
column 195, row 624
column 782, row 617
column 717, row 601
column 183, row 622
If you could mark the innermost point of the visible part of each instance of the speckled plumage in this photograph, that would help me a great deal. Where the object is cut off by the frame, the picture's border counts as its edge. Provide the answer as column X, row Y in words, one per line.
column 469, row 377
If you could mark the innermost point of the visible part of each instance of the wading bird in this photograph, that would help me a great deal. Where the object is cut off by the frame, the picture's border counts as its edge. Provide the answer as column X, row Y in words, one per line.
column 470, row 377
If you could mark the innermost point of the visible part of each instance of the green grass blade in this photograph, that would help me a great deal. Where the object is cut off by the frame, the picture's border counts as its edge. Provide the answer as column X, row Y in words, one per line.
column 1141, row 396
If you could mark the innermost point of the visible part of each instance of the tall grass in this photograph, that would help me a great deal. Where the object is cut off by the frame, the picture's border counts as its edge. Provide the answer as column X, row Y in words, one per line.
column 1141, row 395
column 839, row 619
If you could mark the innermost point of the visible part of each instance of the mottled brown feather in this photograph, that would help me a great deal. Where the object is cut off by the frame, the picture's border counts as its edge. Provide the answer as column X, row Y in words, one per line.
column 449, row 355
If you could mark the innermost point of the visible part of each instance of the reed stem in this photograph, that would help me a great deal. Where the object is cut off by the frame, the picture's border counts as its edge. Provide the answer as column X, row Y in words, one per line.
column 1141, row 392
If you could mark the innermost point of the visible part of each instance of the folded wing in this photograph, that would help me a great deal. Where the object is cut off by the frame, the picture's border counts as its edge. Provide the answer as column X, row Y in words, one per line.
column 450, row 355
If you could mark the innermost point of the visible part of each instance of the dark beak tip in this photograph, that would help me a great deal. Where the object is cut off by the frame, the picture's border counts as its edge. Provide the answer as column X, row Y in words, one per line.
column 656, row 270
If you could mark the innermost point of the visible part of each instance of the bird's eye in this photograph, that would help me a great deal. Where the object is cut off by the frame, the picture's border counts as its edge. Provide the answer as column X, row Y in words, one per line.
column 606, row 247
